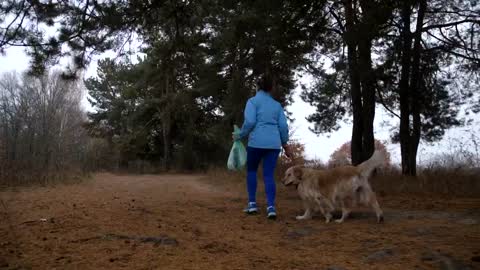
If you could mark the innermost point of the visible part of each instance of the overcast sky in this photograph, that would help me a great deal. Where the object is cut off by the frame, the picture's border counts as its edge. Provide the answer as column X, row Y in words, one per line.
column 319, row 147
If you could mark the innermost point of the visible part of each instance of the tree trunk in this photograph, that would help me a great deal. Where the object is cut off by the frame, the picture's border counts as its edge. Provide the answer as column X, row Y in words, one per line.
column 14, row 140
column 188, row 158
column 355, row 86
column 166, row 143
column 166, row 126
column 404, row 87
column 415, row 88
column 124, row 158
column 368, row 97
column 410, row 86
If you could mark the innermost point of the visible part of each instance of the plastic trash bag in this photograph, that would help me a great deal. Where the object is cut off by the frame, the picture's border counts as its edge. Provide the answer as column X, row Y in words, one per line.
column 238, row 154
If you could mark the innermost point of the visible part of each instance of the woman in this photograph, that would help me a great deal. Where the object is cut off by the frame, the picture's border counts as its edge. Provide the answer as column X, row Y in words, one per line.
column 266, row 126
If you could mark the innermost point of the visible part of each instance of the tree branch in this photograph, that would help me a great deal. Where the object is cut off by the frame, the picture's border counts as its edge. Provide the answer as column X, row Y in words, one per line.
column 449, row 51
column 5, row 38
column 466, row 57
column 337, row 18
column 382, row 101
column 450, row 44
column 424, row 29
column 459, row 12
column 334, row 30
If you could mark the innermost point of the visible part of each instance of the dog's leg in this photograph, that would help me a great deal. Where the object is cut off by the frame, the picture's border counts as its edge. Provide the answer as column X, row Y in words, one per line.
column 372, row 201
column 345, row 212
column 306, row 215
column 329, row 205
column 325, row 212
column 308, row 210
column 328, row 216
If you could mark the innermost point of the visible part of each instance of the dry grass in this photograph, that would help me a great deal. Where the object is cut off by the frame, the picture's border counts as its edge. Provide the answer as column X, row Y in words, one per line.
column 448, row 174
column 441, row 181
column 15, row 174
column 432, row 181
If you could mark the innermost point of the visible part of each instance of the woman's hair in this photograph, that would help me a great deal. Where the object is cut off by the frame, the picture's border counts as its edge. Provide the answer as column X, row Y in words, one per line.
column 265, row 83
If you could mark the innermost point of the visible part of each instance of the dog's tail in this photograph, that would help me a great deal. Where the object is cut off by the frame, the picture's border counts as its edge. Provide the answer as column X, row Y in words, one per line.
column 376, row 160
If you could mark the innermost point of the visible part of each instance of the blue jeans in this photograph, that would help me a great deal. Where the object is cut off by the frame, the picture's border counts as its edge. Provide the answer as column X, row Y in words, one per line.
column 269, row 157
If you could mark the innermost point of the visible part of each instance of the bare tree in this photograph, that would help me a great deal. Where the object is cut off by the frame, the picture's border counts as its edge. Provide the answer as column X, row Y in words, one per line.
column 41, row 131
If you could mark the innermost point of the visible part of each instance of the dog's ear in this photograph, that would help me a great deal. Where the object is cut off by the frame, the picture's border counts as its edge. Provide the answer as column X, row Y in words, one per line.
column 298, row 172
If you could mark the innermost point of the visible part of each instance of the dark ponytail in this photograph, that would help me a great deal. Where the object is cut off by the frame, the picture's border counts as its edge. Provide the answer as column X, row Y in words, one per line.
column 265, row 83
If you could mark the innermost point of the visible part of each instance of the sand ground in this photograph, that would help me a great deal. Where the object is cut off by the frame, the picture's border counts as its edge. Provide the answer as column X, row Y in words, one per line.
column 186, row 222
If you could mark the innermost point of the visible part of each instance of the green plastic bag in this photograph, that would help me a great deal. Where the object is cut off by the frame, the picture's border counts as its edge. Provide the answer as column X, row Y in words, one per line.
column 238, row 154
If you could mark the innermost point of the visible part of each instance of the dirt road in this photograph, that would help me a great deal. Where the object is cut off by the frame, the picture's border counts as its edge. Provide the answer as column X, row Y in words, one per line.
column 183, row 222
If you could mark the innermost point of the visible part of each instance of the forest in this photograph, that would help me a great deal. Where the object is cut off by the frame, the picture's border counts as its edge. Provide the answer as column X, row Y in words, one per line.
column 184, row 69
column 116, row 131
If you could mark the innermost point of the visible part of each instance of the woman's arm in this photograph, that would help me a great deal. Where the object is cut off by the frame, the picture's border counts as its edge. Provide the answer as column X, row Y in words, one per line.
column 250, row 121
column 283, row 127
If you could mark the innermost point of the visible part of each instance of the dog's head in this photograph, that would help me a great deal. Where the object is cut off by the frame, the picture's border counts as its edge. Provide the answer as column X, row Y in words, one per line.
column 293, row 176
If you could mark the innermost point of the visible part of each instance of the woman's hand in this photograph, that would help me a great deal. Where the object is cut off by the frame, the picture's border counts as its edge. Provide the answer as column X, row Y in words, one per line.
column 235, row 136
column 287, row 150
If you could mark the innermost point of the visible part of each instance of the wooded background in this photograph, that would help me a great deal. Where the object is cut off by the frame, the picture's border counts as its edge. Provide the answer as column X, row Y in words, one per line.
column 174, row 106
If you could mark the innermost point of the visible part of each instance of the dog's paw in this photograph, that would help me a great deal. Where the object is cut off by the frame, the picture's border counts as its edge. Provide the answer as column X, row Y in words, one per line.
column 300, row 217
column 339, row 220
column 328, row 218
column 380, row 219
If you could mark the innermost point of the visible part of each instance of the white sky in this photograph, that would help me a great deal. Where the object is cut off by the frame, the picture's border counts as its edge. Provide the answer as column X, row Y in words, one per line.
column 319, row 147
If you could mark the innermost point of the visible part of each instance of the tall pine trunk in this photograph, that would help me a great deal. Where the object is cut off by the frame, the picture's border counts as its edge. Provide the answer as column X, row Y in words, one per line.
column 355, row 86
column 368, row 97
column 410, row 87
column 404, row 86
column 166, row 124
column 415, row 88
column 362, row 79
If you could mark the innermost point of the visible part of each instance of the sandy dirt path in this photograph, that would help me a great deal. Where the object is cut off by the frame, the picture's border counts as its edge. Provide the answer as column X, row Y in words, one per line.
column 183, row 222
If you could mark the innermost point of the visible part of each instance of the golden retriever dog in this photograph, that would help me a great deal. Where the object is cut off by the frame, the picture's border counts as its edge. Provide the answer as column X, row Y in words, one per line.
column 342, row 187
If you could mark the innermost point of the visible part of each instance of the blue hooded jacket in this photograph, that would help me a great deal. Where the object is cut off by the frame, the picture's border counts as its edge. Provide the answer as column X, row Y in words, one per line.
column 265, row 123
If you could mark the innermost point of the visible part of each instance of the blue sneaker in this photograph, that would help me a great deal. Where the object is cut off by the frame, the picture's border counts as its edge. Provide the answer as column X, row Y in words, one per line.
column 271, row 212
column 251, row 208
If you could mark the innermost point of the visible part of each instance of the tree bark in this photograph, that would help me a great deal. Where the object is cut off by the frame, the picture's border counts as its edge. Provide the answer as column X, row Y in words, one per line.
column 415, row 88
column 166, row 143
column 166, row 127
column 404, row 87
column 368, row 97
column 410, row 86
column 355, row 85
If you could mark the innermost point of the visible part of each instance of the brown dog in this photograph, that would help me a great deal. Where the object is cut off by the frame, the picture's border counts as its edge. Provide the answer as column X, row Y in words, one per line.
column 342, row 187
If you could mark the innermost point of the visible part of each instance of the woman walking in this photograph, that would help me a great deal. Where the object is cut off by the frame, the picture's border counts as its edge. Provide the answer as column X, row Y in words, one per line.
column 266, row 126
